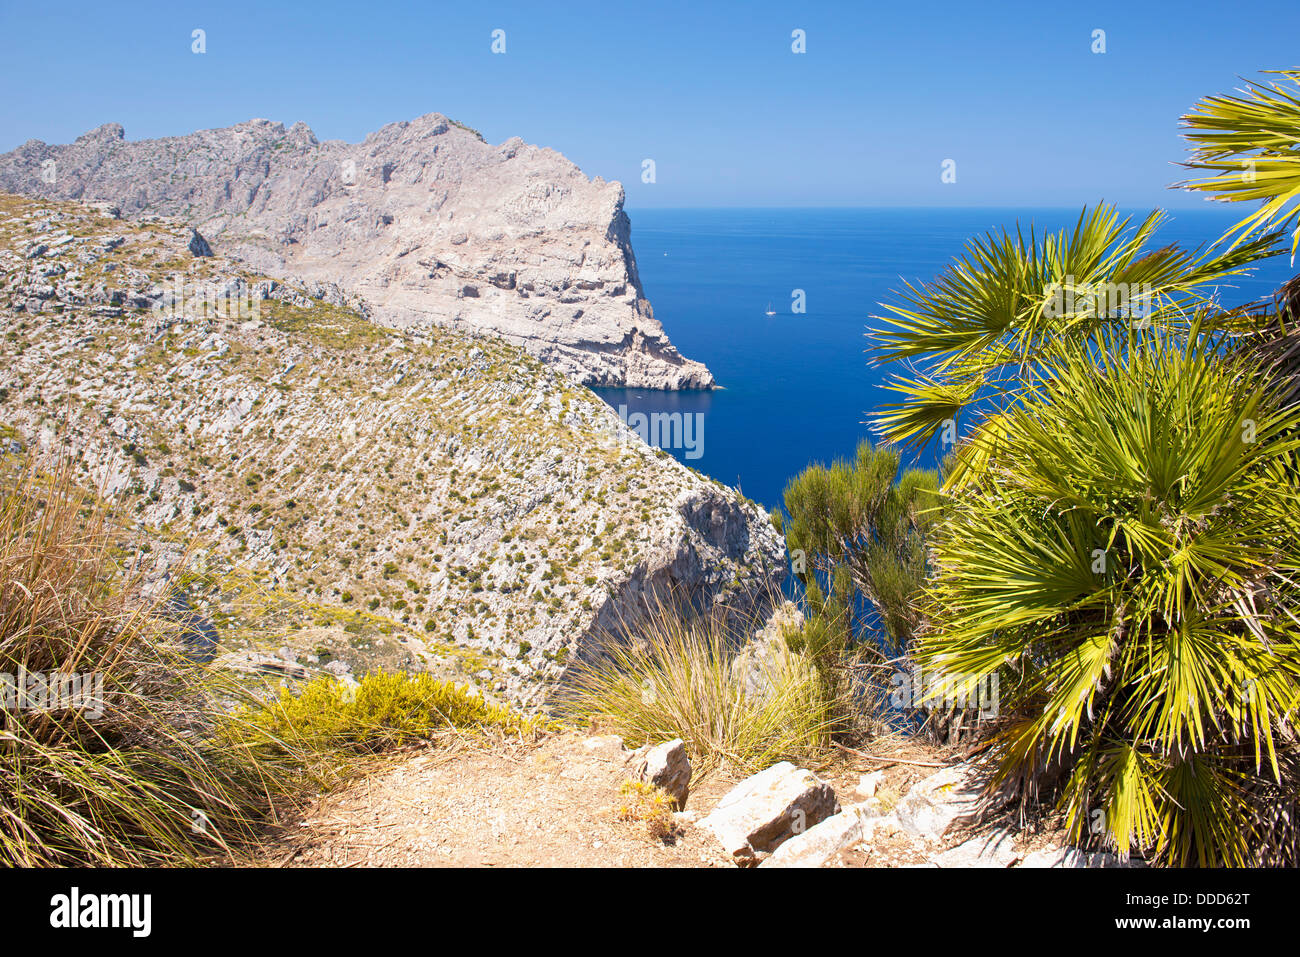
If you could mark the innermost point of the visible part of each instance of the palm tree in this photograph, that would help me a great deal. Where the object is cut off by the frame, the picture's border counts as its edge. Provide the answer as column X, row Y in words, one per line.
column 1118, row 542
column 1126, row 561
column 859, row 529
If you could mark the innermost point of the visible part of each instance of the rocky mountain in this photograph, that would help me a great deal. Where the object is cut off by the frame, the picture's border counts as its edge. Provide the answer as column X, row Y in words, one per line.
column 423, row 220
column 351, row 495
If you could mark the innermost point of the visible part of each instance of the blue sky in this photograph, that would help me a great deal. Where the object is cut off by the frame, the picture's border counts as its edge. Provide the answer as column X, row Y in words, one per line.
column 710, row 91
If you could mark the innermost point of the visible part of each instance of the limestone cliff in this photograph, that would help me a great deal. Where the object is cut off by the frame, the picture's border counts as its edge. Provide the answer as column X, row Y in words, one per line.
column 426, row 222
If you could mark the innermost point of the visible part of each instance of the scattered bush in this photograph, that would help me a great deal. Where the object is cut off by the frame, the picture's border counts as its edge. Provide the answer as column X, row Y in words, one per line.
column 647, row 804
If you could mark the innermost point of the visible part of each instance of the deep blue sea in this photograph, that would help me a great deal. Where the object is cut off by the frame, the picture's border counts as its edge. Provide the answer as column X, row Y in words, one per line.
column 798, row 388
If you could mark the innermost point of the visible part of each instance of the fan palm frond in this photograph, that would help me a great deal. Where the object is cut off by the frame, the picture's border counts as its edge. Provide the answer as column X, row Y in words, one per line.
column 1013, row 301
column 1248, row 144
column 1126, row 558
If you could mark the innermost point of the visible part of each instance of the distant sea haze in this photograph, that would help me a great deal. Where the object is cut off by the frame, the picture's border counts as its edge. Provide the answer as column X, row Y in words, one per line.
column 797, row 387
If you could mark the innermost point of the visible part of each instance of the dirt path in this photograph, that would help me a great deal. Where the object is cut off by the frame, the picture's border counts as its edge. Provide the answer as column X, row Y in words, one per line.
column 553, row 803
column 509, row 805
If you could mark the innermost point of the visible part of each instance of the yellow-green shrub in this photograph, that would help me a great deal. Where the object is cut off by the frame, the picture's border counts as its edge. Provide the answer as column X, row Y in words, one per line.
column 383, row 710
column 648, row 804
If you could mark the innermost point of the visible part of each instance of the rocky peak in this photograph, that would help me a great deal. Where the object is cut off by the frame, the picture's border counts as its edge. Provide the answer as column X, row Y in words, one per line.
column 106, row 133
column 302, row 134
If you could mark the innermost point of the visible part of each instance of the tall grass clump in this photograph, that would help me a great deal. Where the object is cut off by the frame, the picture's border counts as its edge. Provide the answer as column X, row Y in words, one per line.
column 131, row 777
column 669, row 676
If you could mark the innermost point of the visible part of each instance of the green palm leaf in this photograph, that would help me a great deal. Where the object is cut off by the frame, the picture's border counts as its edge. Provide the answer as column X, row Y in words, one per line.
column 1014, row 301
column 1249, row 147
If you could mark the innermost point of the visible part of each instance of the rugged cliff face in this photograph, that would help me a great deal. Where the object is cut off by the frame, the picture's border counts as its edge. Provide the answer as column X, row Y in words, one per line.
column 357, row 495
column 428, row 223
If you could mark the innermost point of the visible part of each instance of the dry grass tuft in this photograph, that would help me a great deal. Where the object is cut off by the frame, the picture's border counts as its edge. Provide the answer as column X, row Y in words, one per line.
column 675, row 677
column 125, row 773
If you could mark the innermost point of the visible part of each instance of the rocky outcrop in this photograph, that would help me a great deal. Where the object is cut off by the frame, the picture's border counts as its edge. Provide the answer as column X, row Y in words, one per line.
column 935, row 803
column 994, row 849
column 787, row 817
column 425, row 221
column 821, row 842
column 198, row 246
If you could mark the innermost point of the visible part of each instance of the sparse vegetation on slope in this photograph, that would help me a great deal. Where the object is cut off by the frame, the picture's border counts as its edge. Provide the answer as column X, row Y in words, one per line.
column 366, row 497
column 146, row 756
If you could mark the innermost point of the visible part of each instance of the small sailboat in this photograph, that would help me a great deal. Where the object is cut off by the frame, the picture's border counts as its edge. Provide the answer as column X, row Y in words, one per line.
column 770, row 310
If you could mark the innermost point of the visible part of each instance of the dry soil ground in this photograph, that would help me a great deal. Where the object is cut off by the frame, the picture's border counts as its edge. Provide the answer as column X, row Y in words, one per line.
column 554, row 802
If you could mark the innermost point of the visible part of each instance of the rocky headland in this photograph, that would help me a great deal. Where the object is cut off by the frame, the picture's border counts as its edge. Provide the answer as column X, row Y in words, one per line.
column 423, row 221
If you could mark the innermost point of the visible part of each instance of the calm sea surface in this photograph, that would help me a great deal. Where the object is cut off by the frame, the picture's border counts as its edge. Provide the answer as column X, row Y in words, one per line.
column 798, row 388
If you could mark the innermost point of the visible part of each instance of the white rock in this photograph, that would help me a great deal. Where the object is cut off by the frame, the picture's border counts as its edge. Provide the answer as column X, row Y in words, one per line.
column 932, row 804
column 868, row 784
column 768, row 808
column 608, row 746
column 817, row 845
column 666, row 766
column 1073, row 857
column 986, row 850
column 873, row 807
